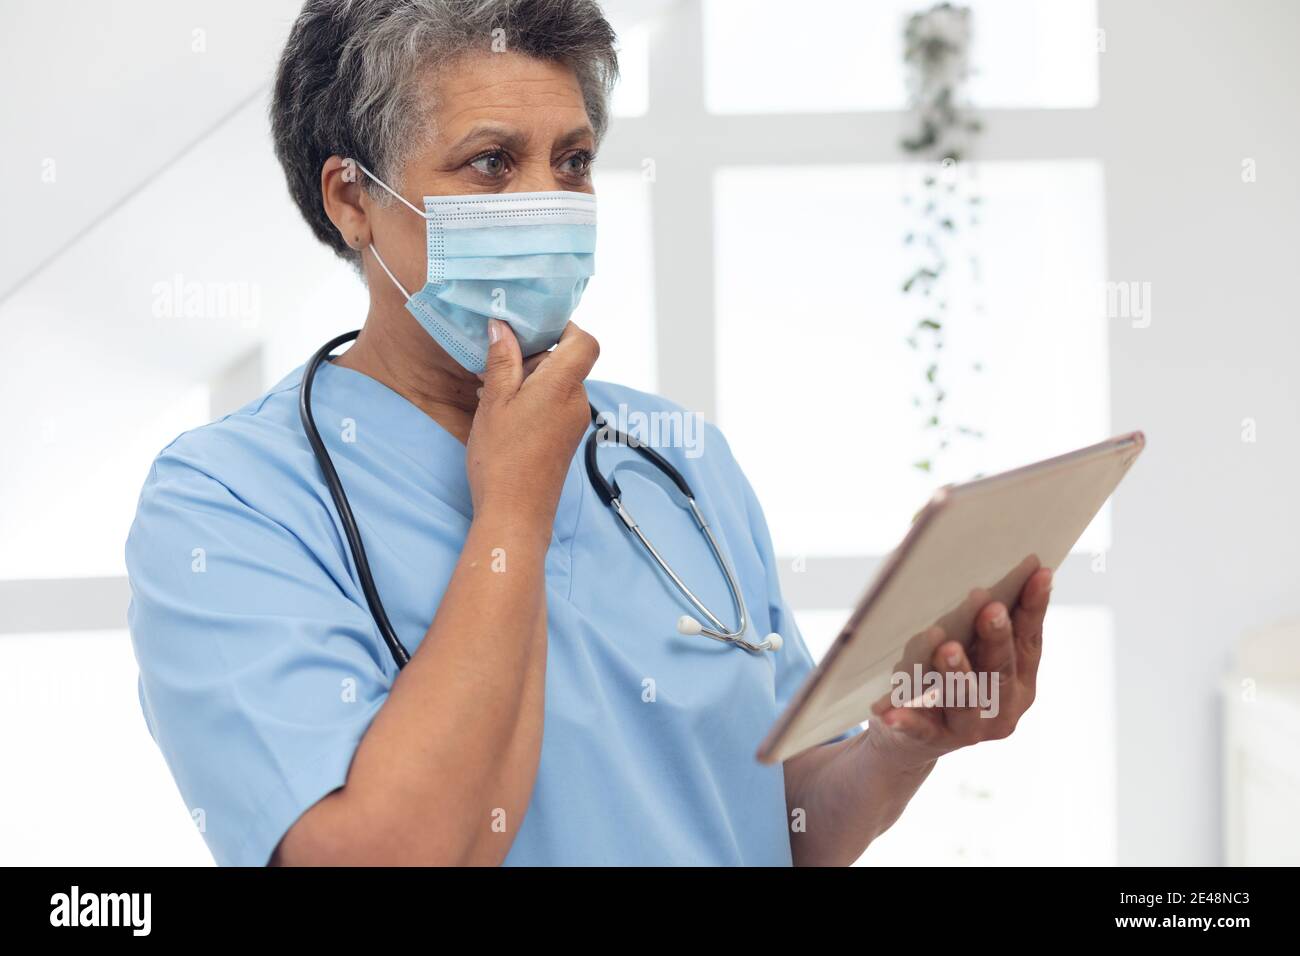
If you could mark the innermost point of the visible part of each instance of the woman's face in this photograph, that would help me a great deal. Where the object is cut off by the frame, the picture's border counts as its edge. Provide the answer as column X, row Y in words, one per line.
column 500, row 123
column 504, row 123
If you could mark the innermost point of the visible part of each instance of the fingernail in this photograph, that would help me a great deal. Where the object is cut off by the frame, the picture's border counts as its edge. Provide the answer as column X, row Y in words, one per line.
column 953, row 658
column 478, row 393
column 494, row 331
column 1000, row 618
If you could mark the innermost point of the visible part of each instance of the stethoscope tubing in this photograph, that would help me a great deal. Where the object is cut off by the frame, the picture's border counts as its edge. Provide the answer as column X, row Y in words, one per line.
column 608, row 493
column 401, row 656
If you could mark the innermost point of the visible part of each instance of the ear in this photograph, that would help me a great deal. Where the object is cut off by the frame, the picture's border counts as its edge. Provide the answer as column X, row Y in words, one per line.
column 340, row 189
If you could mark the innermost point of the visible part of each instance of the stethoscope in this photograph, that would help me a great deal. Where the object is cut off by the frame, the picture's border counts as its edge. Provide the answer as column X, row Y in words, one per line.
column 607, row 491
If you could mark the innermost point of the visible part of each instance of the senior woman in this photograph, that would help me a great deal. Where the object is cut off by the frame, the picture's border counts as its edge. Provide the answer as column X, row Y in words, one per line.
column 549, row 712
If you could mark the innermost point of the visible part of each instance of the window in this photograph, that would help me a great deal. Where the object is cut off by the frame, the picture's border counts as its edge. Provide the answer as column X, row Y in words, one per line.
column 769, row 56
column 618, row 304
column 809, row 267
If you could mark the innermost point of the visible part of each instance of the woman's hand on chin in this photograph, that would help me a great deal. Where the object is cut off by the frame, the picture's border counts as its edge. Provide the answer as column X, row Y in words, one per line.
column 530, row 418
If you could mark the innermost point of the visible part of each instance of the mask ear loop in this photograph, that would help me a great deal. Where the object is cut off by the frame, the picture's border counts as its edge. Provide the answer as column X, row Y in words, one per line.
column 388, row 271
column 371, row 246
column 392, row 192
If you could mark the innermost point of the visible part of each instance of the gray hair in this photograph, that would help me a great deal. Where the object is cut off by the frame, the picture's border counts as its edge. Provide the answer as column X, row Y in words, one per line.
column 348, row 82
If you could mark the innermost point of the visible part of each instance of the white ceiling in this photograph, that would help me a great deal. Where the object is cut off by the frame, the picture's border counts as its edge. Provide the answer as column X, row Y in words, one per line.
column 112, row 92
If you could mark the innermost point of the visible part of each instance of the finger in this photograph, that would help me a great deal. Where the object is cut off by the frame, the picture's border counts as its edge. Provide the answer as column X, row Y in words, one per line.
column 573, row 356
column 919, row 648
column 994, row 648
column 533, row 361
column 905, row 696
column 950, row 658
column 505, row 369
column 923, row 726
column 1027, row 622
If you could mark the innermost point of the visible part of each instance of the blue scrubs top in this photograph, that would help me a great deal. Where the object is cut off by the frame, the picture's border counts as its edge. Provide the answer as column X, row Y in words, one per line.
column 261, row 668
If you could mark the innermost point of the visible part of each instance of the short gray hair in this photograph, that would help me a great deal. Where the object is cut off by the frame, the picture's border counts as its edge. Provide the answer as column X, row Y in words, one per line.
column 348, row 81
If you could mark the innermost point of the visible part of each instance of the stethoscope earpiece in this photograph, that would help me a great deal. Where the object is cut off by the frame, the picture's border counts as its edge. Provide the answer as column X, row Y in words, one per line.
column 688, row 625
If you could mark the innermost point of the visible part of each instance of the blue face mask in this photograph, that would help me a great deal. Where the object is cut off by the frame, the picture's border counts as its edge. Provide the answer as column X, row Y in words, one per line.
column 523, row 258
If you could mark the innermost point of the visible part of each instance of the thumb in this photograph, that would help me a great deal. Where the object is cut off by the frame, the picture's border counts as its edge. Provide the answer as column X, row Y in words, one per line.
column 504, row 371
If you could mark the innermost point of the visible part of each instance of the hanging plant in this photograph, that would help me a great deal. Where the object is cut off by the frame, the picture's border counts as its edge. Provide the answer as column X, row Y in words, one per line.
column 936, row 55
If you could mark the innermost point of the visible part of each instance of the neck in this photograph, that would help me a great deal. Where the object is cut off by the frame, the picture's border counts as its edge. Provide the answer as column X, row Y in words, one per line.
column 394, row 350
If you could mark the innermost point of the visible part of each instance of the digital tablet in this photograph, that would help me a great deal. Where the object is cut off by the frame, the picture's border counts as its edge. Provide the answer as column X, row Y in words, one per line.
column 973, row 543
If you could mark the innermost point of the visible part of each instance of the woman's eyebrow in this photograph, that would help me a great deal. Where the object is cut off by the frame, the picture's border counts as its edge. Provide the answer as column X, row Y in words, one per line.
column 506, row 136
column 578, row 134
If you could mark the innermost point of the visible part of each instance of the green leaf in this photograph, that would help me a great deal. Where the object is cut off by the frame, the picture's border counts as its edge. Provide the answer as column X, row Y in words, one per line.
column 919, row 275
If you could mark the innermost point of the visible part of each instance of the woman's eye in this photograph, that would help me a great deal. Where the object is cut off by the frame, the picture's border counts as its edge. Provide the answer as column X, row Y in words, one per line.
column 490, row 164
column 578, row 164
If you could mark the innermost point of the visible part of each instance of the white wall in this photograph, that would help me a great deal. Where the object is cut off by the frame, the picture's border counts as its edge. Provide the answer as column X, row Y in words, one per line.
column 1206, row 533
